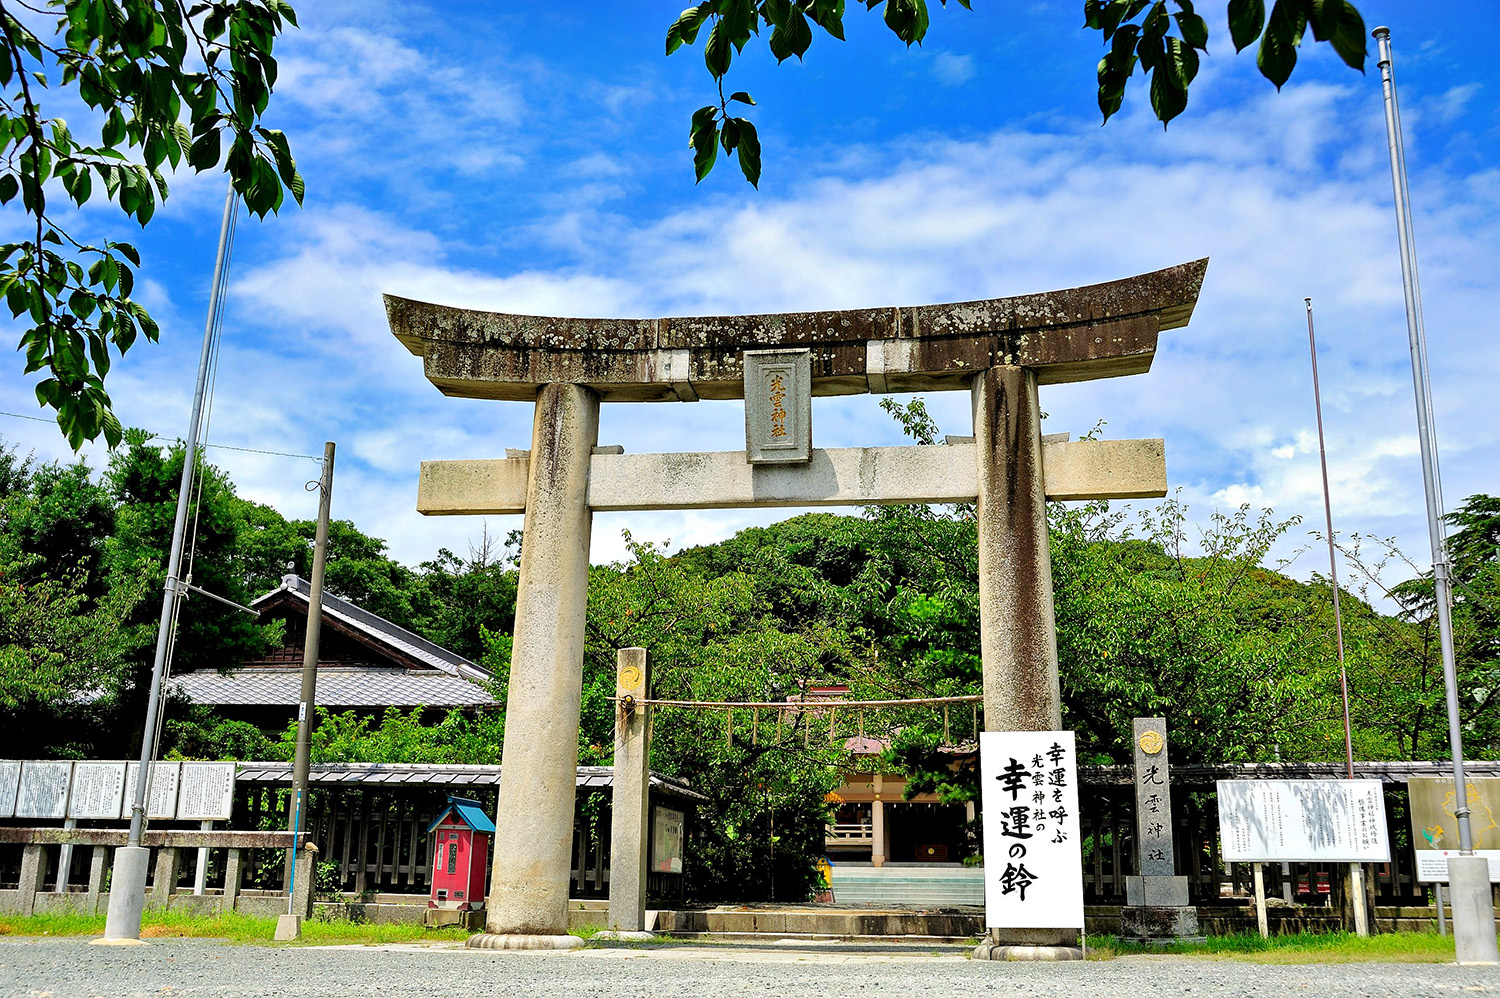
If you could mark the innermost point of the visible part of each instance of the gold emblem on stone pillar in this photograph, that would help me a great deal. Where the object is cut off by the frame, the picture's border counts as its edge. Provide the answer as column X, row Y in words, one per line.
column 630, row 677
column 1152, row 742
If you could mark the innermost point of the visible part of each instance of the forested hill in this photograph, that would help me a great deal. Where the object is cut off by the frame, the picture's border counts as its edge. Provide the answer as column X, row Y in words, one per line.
column 1239, row 657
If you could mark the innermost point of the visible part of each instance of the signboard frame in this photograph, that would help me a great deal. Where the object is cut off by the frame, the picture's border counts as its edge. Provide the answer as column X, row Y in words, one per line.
column 220, row 807
column 1303, row 821
column 10, row 786
column 62, row 769
column 161, row 802
column 1430, row 810
column 103, row 803
column 1029, row 842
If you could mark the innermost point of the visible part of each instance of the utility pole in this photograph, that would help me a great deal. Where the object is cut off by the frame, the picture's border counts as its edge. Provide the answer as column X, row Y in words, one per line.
column 1468, row 874
column 127, row 895
column 309, row 698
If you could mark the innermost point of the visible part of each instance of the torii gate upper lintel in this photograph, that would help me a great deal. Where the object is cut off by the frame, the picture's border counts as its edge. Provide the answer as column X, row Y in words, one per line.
column 1098, row 331
column 999, row 349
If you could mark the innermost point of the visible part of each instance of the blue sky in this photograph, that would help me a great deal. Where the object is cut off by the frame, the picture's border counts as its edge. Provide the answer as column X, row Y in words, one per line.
column 532, row 157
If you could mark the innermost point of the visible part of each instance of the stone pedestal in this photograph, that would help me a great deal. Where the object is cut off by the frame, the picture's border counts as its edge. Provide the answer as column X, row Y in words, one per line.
column 288, row 928
column 528, row 898
column 1048, row 945
column 127, row 894
column 1473, row 910
column 1157, row 910
column 1162, row 925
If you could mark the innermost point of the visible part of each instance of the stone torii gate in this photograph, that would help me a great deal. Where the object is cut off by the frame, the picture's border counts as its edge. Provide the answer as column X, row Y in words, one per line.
column 1000, row 350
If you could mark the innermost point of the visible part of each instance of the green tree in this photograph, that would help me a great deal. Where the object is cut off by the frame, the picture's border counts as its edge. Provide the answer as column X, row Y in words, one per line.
column 163, row 82
column 1161, row 37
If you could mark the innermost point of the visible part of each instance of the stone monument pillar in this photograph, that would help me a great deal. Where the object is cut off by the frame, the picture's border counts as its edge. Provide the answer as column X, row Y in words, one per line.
column 528, row 899
column 1156, row 901
column 630, row 800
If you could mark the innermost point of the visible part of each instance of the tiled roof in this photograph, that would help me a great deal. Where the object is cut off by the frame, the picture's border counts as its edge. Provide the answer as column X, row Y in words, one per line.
column 379, row 628
column 434, row 774
column 336, row 688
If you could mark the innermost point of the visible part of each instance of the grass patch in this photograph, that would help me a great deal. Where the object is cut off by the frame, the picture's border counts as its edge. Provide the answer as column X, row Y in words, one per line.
column 1301, row 947
column 234, row 927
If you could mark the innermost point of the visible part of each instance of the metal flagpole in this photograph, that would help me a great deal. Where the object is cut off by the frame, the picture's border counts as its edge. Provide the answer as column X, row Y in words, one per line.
column 1468, row 875
column 128, row 881
column 1356, row 870
column 1333, row 568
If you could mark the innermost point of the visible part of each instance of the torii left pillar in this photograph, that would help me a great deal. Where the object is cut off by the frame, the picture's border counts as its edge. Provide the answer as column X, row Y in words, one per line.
column 528, row 899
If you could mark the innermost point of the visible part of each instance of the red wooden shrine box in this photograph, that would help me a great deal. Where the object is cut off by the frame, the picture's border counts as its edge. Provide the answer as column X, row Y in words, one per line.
column 460, row 855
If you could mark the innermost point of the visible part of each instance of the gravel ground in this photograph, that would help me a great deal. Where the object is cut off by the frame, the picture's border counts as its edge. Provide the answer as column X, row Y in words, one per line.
column 63, row 968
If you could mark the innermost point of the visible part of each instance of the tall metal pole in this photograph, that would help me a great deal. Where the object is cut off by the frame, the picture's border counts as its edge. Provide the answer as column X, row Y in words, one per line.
column 1473, row 911
column 310, row 659
column 129, row 878
column 1333, row 568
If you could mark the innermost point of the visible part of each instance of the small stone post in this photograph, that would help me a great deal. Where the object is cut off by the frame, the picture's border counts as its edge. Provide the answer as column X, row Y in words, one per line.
column 65, row 859
column 877, row 823
column 528, row 899
column 200, row 871
column 98, row 864
column 630, row 799
column 1156, row 901
column 33, row 876
column 164, row 880
column 231, row 881
column 1017, row 630
column 289, row 926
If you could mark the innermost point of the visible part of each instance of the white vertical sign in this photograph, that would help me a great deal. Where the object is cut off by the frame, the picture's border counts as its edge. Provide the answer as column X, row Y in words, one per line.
column 1033, row 862
column 10, row 782
column 43, row 792
column 161, row 790
column 207, row 791
column 97, row 790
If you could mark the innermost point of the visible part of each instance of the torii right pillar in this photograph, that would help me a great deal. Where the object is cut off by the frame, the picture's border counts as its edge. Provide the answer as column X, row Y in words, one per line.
column 1017, row 630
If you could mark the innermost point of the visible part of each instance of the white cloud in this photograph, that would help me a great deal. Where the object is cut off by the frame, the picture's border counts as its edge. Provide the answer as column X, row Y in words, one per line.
column 952, row 70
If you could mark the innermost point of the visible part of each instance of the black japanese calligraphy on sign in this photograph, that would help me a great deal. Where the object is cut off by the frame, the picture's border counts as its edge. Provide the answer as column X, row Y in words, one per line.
column 1013, row 778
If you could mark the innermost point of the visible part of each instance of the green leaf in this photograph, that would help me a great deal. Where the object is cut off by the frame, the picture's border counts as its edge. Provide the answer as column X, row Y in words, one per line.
column 205, row 151
column 9, row 186
column 749, row 152
column 908, row 19
column 1246, row 19
column 718, row 50
column 684, row 30
column 705, row 143
column 742, row 97
column 791, row 38
column 1193, row 28
column 1278, row 44
column 1339, row 24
